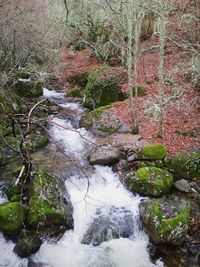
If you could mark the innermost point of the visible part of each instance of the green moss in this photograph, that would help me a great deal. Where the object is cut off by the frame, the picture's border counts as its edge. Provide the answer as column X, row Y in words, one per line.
column 167, row 221
column 47, row 206
column 95, row 115
column 29, row 89
column 15, row 198
column 12, row 216
column 153, row 152
column 74, row 92
column 150, row 181
column 184, row 165
column 11, row 190
column 101, row 92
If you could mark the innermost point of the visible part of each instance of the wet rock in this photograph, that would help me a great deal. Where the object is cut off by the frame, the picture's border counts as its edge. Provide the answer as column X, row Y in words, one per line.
column 153, row 152
column 119, row 223
column 182, row 186
column 48, row 203
column 27, row 244
column 104, row 155
column 122, row 165
column 149, row 181
column 12, row 215
column 131, row 158
column 166, row 220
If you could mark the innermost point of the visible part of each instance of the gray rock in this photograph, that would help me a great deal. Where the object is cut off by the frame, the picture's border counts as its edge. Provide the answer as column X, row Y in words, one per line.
column 132, row 158
column 118, row 223
column 182, row 186
column 104, row 155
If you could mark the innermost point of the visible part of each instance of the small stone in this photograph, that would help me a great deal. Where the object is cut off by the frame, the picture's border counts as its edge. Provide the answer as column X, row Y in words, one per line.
column 182, row 186
column 131, row 158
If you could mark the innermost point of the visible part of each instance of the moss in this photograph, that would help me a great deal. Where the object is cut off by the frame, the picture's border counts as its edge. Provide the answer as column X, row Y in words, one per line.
column 28, row 88
column 95, row 115
column 184, row 165
column 153, row 152
column 150, row 181
column 47, row 205
column 74, row 92
column 166, row 220
column 11, row 190
column 101, row 92
column 15, row 198
column 12, row 215
column 33, row 141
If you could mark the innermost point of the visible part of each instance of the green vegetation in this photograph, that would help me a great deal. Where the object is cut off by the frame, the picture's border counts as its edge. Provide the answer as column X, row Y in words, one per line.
column 74, row 92
column 47, row 205
column 30, row 89
column 150, row 181
column 153, row 152
column 166, row 220
column 12, row 215
column 184, row 165
column 101, row 91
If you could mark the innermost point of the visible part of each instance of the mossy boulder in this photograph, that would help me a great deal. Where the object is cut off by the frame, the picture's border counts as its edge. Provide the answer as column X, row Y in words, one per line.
column 11, row 191
column 166, row 220
column 28, row 88
column 102, row 121
column 74, row 92
column 48, row 202
column 103, row 88
column 28, row 243
column 153, row 152
column 150, row 181
column 12, row 215
column 184, row 165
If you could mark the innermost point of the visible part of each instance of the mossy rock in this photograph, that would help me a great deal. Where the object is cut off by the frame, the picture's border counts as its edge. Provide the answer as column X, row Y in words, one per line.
column 153, row 152
column 11, row 190
column 48, row 205
column 74, row 92
column 184, row 165
column 12, row 215
column 150, row 181
column 166, row 220
column 93, row 117
column 33, row 141
column 1, row 158
column 27, row 244
column 102, row 90
column 30, row 89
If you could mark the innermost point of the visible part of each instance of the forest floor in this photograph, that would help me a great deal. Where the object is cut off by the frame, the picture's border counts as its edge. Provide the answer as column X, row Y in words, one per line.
column 181, row 128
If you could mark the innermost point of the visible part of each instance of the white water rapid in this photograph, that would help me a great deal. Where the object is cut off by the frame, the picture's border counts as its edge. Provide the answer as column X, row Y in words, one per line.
column 104, row 193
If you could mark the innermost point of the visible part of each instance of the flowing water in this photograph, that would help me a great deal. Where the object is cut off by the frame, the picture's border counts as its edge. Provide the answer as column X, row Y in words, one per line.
column 93, row 190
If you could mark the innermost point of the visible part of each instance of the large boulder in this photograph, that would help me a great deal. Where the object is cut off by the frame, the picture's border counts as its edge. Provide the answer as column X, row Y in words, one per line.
column 49, row 203
column 150, row 181
column 28, row 88
column 153, row 152
column 103, row 87
column 166, row 220
column 104, row 155
column 12, row 216
column 119, row 223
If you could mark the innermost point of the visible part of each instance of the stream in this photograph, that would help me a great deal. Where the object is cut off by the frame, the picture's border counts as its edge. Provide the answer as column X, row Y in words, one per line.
column 93, row 191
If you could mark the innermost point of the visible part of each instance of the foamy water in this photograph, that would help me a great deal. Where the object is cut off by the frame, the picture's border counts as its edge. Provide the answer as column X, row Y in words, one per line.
column 100, row 191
